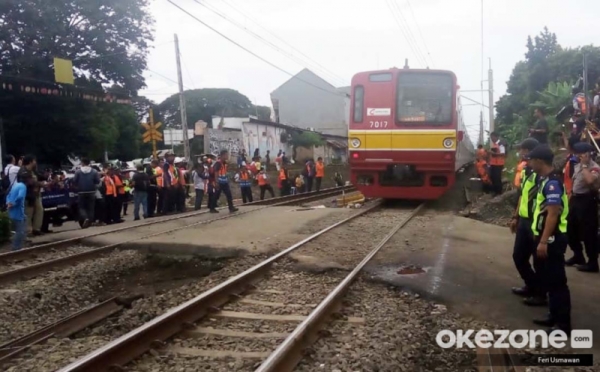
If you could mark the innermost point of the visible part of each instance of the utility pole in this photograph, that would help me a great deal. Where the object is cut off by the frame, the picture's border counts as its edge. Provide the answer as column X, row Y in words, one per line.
column 184, row 126
column 481, row 127
column 491, row 94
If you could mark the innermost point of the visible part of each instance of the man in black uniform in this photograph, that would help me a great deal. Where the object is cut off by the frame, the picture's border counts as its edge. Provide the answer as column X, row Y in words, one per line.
column 549, row 227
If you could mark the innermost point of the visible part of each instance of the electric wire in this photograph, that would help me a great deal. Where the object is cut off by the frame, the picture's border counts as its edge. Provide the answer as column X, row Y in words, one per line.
column 251, row 52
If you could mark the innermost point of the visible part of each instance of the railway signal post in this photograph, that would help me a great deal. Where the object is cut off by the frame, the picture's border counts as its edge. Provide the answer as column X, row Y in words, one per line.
column 152, row 134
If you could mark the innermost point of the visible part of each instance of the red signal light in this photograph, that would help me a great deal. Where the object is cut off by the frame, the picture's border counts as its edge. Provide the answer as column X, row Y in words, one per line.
column 448, row 157
column 355, row 155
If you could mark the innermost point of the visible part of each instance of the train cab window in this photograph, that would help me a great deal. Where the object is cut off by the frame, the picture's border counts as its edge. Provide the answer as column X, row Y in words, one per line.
column 424, row 98
column 381, row 77
column 359, row 100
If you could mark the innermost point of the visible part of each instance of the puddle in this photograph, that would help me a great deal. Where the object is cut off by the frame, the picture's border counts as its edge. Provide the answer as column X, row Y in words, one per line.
column 410, row 270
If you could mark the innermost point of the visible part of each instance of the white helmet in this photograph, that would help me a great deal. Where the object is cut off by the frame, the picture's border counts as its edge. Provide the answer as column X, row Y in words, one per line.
column 178, row 160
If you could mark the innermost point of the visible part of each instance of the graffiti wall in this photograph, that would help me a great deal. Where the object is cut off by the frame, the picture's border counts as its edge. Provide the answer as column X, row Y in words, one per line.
column 216, row 140
column 263, row 137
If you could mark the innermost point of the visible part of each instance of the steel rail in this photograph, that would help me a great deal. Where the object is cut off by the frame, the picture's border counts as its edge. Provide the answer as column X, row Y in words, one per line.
column 289, row 352
column 13, row 255
column 497, row 360
column 138, row 341
column 41, row 267
column 62, row 328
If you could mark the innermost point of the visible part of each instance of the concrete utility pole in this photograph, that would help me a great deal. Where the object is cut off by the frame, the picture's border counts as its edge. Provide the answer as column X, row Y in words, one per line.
column 491, row 94
column 481, row 128
column 184, row 126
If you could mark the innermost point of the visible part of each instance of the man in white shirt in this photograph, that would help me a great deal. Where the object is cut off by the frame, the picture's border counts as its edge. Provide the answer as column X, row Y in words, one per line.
column 11, row 170
column 497, row 160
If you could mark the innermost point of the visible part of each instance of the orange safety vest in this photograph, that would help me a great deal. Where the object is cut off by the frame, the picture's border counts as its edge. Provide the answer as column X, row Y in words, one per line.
column 520, row 167
column 496, row 160
column 320, row 167
column 567, row 180
column 109, row 184
column 119, row 185
column 159, row 176
column 282, row 175
column 482, row 172
column 262, row 180
column 174, row 174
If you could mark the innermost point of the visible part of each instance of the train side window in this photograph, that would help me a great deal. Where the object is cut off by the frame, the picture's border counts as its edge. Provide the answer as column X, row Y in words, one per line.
column 381, row 77
column 359, row 98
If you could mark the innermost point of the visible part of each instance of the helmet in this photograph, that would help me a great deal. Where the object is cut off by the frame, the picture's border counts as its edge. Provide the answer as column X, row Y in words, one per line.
column 178, row 160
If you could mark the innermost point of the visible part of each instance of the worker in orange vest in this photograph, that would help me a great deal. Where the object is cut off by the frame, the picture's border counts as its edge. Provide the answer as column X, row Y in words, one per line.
column 110, row 196
column 121, row 196
column 569, row 169
column 221, row 182
column 497, row 160
column 264, row 184
column 319, row 172
column 244, row 178
column 481, row 153
column 283, row 181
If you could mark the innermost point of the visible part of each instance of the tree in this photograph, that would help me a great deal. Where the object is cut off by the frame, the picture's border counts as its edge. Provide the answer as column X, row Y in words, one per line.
column 305, row 139
column 545, row 62
column 202, row 104
column 107, row 41
column 262, row 112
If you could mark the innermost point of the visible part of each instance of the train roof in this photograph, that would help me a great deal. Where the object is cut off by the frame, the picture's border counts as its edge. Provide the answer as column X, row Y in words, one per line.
column 409, row 70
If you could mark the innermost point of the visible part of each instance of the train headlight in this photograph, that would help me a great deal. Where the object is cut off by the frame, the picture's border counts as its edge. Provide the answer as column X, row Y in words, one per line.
column 355, row 142
column 448, row 143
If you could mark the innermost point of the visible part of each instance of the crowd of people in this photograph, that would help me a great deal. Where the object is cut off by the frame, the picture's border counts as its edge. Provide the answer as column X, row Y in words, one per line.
column 557, row 210
column 160, row 187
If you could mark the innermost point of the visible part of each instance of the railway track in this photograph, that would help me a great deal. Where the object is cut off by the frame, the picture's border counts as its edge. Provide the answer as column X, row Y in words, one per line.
column 183, row 330
column 74, row 254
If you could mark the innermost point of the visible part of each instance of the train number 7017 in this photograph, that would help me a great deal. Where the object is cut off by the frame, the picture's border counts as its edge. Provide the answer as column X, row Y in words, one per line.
column 378, row 124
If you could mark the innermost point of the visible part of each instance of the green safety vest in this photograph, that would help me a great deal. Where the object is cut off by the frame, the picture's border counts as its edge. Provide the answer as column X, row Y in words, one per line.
column 126, row 184
column 539, row 213
column 529, row 188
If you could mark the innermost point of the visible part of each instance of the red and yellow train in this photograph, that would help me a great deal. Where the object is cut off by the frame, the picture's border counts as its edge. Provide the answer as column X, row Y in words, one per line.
column 406, row 134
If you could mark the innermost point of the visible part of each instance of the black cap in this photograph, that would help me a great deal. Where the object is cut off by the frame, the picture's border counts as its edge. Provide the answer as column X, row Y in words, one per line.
column 542, row 152
column 582, row 148
column 529, row 144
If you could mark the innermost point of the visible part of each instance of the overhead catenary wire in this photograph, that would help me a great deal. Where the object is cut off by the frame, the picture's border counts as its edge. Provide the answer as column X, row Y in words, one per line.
column 391, row 5
column 246, row 15
column 252, row 53
column 339, row 80
column 420, row 32
column 410, row 33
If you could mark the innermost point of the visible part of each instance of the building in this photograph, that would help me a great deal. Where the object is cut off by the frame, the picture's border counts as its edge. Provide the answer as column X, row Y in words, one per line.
column 308, row 101
column 269, row 136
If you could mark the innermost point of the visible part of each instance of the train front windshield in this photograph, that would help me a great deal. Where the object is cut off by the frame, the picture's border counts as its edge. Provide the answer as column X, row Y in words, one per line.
column 424, row 97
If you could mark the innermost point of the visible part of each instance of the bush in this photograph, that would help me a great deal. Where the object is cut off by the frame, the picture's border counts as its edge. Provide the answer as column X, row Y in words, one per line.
column 4, row 227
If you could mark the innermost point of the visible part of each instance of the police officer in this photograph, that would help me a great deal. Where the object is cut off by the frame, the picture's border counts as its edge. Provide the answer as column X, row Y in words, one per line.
column 222, row 182
column 549, row 227
column 520, row 224
column 583, row 210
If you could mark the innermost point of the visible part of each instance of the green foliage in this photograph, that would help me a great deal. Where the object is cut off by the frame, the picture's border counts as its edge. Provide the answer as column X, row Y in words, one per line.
column 262, row 112
column 534, row 82
column 4, row 227
column 202, row 104
column 306, row 139
column 107, row 41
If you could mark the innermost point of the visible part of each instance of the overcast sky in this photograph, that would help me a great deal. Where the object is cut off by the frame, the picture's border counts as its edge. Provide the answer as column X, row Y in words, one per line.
column 338, row 38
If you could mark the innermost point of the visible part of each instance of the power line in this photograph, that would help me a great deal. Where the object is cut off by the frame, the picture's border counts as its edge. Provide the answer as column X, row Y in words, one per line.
column 187, row 71
column 420, row 32
column 251, row 52
column 409, row 32
column 404, row 33
column 323, row 68
column 263, row 40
